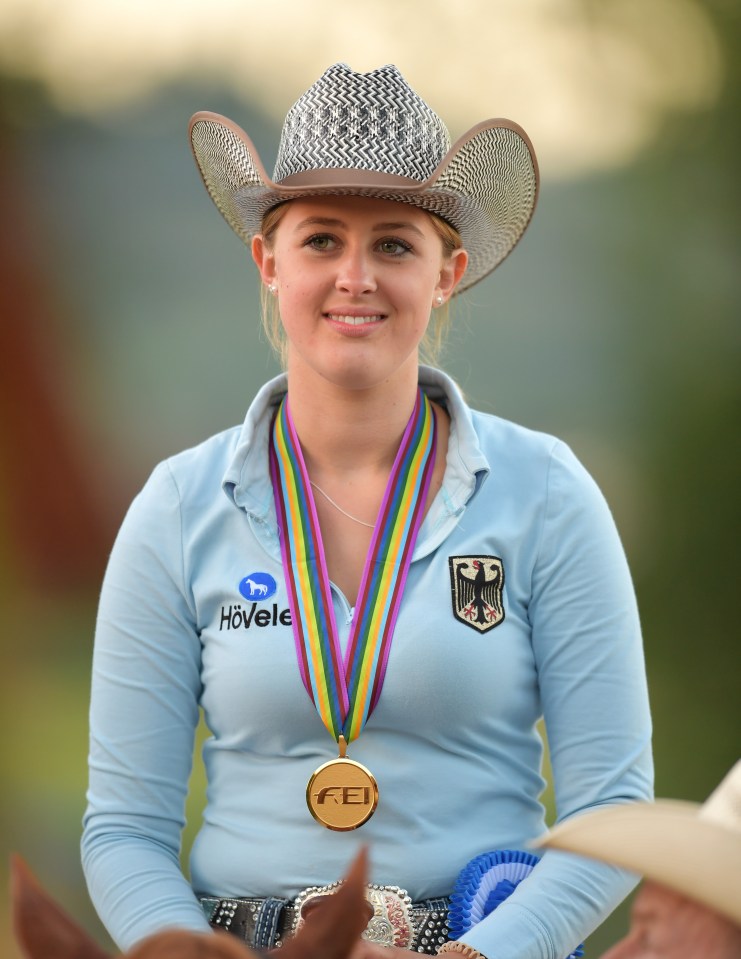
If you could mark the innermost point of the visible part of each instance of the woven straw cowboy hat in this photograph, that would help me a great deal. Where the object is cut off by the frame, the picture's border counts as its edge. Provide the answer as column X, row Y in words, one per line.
column 691, row 848
column 370, row 134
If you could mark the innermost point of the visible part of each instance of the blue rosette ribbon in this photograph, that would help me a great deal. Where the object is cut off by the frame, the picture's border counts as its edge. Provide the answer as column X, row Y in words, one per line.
column 484, row 883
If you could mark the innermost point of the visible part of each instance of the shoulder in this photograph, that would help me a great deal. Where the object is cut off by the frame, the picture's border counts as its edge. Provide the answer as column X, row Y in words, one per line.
column 223, row 459
column 205, row 460
column 505, row 457
column 194, row 472
column 530, row 463
column 476, row 432
column 497, row 432
column 505, row 442
column 483, row 440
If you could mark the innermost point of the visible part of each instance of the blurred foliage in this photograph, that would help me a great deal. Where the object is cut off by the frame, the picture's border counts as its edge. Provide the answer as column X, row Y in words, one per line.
column 616, row 326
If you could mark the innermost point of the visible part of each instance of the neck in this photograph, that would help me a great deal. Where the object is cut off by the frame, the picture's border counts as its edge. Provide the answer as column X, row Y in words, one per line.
column 347, row 431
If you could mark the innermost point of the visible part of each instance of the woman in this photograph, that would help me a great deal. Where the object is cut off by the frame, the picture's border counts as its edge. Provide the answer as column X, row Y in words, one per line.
column 440, row 578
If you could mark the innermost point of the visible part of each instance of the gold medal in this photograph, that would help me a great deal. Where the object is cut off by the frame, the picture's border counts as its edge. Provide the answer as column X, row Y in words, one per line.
column 342, row 794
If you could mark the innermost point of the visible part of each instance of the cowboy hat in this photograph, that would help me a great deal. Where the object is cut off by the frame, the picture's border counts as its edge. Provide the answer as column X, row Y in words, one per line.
column 691, row 848
column 370, row 134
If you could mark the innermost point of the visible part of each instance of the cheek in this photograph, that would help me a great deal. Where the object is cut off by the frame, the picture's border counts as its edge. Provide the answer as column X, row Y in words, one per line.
column 297, row 299
column 414, row 297
column 293, row 274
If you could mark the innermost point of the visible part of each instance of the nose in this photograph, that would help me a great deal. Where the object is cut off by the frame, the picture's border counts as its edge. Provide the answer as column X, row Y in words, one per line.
column 355, row 274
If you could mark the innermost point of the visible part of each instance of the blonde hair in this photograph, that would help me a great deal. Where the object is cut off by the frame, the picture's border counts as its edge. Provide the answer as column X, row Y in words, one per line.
column 434, row 339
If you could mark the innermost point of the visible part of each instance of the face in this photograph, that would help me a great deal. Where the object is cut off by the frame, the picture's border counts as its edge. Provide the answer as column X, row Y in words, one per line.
column 665, row 925
column 356, row 280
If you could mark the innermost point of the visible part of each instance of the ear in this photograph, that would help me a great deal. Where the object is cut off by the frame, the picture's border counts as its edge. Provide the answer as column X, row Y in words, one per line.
column 451, row 273
column 264, row 259
column 334, row 926
column 41, row 927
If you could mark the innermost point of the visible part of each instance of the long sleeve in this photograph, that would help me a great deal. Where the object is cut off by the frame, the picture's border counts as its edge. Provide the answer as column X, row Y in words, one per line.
column 143, row 715
column 588, row 653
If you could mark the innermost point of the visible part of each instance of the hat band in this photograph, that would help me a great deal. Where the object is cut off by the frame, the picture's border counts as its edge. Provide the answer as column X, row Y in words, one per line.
column 349, row 177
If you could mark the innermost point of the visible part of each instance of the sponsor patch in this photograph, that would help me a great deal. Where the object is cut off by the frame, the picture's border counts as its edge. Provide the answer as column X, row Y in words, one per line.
column 235, row 616
column 476, row 584
column 257, row 587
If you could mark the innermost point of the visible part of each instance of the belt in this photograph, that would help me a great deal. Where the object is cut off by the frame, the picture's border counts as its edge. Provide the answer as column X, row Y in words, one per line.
column 396, row 921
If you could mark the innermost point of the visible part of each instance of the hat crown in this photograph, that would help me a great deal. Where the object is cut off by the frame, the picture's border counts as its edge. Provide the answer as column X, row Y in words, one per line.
column 362, row 121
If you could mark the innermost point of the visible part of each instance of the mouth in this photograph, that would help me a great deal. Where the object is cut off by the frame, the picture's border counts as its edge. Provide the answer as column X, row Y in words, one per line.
column 348, row 320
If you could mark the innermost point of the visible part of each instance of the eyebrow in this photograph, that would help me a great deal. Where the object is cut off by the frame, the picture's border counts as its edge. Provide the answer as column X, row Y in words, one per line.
column 333, row 221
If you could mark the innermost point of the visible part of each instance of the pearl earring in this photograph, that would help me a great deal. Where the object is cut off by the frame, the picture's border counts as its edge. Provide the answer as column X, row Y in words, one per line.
column 273, row 289
column 439, row 300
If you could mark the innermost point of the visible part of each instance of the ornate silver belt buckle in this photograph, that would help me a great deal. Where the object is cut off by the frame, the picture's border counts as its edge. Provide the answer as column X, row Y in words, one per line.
column 391, row 923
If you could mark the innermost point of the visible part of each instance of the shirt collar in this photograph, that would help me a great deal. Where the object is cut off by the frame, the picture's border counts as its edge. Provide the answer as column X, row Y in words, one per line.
column 247, row 479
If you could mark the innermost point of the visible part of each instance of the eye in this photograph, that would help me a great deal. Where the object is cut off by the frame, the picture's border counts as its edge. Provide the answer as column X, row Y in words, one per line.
column 391, row 246
column 320, row 241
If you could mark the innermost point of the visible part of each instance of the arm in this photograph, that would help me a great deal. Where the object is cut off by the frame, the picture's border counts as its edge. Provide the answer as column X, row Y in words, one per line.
column 588, row 652
column 143, row 715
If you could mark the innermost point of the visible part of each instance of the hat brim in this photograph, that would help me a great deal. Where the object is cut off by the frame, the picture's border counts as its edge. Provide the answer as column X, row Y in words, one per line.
column 486, row 186
column 667, row 842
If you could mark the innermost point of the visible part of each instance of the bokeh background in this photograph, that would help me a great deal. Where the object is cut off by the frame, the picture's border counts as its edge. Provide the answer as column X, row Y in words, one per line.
column 128, row 316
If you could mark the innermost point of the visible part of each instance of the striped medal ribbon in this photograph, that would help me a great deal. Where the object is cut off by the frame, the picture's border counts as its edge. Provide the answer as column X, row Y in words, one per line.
column 342, row 794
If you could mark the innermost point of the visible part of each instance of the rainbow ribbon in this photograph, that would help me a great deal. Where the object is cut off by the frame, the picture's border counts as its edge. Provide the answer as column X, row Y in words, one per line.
column 346, row 693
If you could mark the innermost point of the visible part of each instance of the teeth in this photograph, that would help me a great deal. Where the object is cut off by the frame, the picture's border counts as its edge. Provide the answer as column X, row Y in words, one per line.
column 354, row 320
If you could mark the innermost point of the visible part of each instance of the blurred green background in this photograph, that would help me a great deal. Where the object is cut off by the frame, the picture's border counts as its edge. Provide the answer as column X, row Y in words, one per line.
column 128, row 317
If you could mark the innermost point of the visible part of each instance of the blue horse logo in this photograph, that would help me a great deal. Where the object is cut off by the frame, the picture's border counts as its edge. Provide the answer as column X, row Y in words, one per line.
column 257, row 587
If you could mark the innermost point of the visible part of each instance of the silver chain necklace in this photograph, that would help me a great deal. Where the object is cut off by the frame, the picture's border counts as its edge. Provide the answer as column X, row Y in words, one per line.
column 338, row 507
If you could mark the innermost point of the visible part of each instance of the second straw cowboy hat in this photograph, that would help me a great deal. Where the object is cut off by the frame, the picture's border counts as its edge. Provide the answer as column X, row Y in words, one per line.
column 370, row 134
column 690, row 848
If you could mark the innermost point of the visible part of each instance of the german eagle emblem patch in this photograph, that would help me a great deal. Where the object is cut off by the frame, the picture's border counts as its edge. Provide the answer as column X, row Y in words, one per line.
column 476, row 584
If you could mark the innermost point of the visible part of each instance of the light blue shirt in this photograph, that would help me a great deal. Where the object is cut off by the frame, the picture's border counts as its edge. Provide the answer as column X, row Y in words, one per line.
column 453, row 741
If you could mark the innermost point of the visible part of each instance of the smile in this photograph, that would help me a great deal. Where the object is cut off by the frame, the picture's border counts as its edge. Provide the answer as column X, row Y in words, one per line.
column 354, row 320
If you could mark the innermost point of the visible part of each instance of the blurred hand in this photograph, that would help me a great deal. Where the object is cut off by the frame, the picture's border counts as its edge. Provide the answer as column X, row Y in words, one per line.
column 333, row 927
